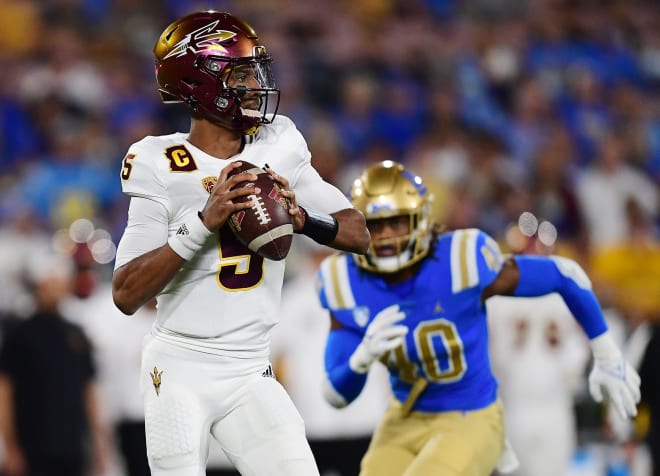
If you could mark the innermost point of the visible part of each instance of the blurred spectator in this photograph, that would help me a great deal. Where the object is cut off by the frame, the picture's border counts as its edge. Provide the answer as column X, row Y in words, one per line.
column 539, row 357
column 585, row 112
column 19, row 138
column 531, row 124
column 65, row 71
column 50, row 412
column 552, row 186
column 604, row 189
column 68, row 184
column 20, row 238
column 117, row 341
column 399, row 120
column 19, row 24
column 355, row 113
column 626, row 273
column 649, row 371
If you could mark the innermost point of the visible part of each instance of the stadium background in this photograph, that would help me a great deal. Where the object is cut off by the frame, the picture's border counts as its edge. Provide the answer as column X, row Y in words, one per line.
column 533, row 120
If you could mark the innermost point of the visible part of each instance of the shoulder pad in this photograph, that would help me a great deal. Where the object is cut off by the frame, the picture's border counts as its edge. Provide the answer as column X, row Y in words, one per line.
column 475, row 257
column 335, row 283
column 140, row 170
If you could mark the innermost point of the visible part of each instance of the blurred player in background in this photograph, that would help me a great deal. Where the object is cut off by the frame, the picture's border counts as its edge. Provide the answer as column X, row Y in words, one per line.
column 539, row 356
column 338, row 437
column 416, row 301
column 50, row 411
column 206, row 370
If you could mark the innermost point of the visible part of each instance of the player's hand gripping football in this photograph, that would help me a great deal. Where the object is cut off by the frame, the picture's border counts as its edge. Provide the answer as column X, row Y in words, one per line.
column 616, row 376
column 383, row 335
column 220, row 206
column 290, row 195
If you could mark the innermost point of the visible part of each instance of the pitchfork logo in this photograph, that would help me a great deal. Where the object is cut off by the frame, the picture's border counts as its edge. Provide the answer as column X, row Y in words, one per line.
column 206, row 37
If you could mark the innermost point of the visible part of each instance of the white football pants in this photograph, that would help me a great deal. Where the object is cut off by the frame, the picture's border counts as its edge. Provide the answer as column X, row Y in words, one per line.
column 190, row 396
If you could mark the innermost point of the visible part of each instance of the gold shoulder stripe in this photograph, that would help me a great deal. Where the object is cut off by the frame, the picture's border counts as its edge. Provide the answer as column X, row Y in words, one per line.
column 464, row 272
column 336, row 284
column 462, row 256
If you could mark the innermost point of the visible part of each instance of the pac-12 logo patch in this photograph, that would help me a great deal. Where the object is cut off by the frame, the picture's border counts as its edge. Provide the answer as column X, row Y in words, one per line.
column 209, row 182
column 361, row 315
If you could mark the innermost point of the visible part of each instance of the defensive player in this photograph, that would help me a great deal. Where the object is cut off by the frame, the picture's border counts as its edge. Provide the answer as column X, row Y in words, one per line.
column 205, row 368
column 416, row 301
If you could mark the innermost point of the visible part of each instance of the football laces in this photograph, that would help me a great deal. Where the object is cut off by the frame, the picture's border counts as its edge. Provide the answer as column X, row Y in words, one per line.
column 260, row 210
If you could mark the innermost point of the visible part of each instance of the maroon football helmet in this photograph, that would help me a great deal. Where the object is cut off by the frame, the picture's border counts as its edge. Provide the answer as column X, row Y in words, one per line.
column 213, row 62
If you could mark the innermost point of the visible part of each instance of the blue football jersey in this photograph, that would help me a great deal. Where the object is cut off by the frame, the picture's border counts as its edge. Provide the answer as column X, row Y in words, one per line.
column 447, row 342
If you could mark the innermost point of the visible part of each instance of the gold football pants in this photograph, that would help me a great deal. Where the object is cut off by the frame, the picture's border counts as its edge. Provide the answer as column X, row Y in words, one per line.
column 430, row 444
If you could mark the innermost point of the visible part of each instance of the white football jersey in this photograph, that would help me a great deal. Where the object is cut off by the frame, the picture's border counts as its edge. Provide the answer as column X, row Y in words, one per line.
column 226, row 298
column 539, row 355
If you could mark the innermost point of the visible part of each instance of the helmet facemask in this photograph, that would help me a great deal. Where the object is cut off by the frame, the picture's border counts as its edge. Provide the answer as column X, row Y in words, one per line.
column 409, row 248
column 246, row 91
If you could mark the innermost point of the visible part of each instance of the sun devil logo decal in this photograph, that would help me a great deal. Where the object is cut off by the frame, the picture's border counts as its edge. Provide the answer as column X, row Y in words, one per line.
column 206, row 37
column 155, row 378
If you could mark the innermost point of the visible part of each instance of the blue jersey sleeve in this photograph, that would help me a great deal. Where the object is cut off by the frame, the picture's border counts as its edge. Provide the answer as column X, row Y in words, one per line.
column 340, row 345
column 540, row 275
column 336, row 295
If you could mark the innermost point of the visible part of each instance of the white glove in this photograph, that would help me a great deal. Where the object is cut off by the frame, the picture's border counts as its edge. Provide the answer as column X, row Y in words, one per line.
column 614, row 374
column 383, row 335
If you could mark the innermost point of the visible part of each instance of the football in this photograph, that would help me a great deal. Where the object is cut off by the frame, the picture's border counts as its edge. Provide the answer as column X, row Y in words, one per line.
column 266, row 228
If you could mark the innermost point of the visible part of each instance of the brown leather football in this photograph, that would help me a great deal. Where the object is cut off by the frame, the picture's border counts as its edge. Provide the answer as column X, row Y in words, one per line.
column 266, row 228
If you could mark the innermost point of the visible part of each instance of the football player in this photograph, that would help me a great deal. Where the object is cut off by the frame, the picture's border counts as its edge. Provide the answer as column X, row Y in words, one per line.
column 205, row 367
column 416, row 301
column 538, row 354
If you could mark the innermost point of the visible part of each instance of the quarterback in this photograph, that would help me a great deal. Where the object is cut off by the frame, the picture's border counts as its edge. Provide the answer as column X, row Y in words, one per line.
column 205, row 368
column 416, row 302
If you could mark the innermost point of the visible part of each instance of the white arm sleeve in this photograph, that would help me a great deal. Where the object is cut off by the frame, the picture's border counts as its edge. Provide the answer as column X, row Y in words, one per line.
column 146, row 230
column 316, row 194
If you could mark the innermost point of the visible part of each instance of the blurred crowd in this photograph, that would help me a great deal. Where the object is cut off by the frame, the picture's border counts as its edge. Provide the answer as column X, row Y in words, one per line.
column 536, row 119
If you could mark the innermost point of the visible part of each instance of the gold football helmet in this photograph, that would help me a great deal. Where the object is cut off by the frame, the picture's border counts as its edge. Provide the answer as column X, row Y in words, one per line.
column 386, row 190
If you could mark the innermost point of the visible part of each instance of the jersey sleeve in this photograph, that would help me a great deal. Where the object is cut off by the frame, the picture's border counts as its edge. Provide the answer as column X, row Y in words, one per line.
column 476, row 259
column 140, row 175
column 311, row 190
column 316, row 194
column 145, row 230
column 540, row 275
column 335, row 290
column 336, row 293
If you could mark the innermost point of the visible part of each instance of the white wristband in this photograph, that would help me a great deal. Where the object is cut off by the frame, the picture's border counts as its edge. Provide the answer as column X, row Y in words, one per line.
column 604, row 347
column 189, row 238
